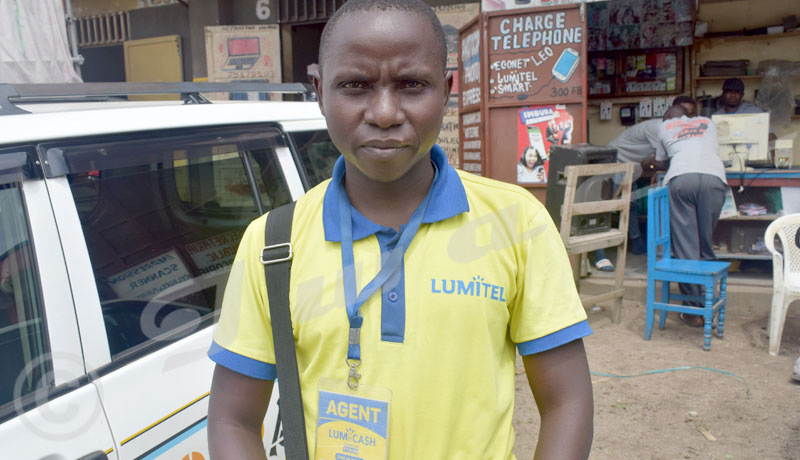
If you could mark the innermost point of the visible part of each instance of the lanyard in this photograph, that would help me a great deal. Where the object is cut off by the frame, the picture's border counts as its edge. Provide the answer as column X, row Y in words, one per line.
column 388, row 267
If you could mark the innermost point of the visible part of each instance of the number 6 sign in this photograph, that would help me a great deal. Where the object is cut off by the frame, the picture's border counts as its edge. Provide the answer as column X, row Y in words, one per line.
column 263, row 11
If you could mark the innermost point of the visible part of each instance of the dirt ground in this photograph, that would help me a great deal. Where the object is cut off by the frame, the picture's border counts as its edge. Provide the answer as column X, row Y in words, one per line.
column 687, row 414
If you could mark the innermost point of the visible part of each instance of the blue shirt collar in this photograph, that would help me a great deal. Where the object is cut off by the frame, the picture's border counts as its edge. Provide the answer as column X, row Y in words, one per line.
column 448, row 199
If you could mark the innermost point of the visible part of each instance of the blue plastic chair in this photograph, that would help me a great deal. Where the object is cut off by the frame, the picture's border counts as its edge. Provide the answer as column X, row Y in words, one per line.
column 667, row 270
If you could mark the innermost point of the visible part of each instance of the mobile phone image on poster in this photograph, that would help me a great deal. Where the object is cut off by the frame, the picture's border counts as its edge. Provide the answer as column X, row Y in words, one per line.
column 539, row 129
column 566, row 64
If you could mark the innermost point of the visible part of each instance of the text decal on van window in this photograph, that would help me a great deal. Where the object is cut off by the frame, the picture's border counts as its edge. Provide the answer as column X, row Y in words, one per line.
column 147, row 279
column 217, row 252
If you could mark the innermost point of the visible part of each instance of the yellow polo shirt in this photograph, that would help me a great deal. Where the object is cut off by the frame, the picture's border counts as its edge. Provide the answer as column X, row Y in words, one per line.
column 485, row 273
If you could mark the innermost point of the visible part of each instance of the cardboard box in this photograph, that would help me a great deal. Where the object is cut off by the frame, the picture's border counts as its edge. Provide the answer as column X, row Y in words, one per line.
column 784, row 150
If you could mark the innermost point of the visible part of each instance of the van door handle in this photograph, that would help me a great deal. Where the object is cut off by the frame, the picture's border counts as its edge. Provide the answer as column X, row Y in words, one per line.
column 96, row 455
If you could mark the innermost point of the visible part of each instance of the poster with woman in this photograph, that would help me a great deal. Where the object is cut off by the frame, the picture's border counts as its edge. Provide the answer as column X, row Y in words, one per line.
column 540, row 128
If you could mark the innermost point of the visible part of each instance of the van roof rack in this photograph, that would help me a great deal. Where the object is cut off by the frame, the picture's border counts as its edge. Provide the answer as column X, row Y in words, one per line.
column 12, row 94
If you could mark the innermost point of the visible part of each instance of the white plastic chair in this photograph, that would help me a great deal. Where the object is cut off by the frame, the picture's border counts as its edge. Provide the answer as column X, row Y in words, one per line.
column 785, row 274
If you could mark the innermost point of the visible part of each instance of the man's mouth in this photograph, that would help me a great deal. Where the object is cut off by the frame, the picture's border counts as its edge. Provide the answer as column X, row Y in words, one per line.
column 384, row 147
column 385, row 144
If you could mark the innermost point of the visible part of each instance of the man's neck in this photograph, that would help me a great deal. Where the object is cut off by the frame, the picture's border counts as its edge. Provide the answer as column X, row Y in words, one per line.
column 389, row 204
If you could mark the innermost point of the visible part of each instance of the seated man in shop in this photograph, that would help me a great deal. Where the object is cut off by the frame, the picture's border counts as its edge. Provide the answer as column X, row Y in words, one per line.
column 731, row 101
column 637, row 145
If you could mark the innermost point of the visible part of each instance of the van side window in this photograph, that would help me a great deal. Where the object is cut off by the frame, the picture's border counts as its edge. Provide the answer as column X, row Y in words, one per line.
column 317, row 154
column 24, row 348
column 162, row 219
column 269, row 177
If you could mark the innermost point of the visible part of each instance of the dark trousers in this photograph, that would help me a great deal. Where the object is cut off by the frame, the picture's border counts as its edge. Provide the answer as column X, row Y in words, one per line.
column 695, row 201
column 634, row 233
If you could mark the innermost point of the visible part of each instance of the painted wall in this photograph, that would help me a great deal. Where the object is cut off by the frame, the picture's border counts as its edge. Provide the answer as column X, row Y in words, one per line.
column 746, row 14
column 248, row 12
column 202, row 14
column 166, row 20
column 82, row 8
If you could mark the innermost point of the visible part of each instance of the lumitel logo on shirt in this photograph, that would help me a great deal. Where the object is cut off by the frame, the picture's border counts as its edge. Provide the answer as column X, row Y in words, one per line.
column 475, row 288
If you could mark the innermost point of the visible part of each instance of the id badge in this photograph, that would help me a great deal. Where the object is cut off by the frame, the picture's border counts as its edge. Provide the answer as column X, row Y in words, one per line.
column 352, row 424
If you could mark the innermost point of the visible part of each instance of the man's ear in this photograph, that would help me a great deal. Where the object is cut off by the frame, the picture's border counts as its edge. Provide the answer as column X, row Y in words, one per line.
column 448, row 87
column 316, row 80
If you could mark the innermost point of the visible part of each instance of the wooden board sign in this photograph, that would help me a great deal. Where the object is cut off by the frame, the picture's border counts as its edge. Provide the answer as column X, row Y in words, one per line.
column 522, row 75
column 536, row 56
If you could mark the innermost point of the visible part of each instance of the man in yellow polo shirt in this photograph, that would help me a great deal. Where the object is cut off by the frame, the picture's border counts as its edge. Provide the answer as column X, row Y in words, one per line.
column 441, row 276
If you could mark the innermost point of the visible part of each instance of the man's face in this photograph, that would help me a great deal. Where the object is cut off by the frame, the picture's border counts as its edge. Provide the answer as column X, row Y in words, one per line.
column 731, row 99
column 383, row 91
column 691, row 109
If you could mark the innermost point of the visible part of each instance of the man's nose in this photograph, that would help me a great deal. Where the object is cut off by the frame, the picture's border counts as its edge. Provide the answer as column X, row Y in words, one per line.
column 385, row 109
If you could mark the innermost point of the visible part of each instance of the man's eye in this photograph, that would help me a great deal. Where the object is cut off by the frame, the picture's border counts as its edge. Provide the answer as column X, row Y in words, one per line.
column 354, row 85
column 413, row 84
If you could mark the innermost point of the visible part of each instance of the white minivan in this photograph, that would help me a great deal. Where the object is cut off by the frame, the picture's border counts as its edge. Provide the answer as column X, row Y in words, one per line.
column 118, row 223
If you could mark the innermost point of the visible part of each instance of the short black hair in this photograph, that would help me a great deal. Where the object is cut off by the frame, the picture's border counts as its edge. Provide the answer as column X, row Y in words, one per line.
column 407, row 6
column 684, row 100
column 733, row 84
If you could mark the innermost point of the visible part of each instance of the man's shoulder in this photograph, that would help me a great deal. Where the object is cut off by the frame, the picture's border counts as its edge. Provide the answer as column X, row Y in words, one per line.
column 748, row 107
column 652, row 126
column 638, row 130
column 501, row 193
column 678, row 124
column 699, row 118
column 649, row 124
column 310, row 206
column 744, row 107
column 684, row 120
column 315, row 193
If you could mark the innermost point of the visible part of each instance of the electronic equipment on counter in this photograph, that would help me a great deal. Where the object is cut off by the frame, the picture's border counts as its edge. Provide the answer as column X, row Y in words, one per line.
column 743, row 139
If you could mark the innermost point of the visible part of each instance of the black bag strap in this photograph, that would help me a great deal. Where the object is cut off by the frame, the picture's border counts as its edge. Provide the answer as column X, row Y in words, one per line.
column 277, row 260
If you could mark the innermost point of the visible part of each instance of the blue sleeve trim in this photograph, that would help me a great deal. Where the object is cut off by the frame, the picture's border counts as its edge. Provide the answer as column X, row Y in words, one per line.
column 556, row 339
column 242, row 364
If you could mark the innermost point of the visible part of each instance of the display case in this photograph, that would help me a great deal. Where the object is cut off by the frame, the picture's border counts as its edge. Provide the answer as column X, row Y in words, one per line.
column 642, row 72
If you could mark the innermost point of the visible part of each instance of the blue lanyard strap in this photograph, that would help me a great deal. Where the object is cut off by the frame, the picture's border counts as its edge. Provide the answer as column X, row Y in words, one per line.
column 390, row 265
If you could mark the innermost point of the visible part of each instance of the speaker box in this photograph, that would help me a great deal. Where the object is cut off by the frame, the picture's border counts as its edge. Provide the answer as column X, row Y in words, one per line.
column 589, row 188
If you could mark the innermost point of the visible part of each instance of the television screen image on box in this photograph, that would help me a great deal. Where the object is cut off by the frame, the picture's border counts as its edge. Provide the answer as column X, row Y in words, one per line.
column 243, row 53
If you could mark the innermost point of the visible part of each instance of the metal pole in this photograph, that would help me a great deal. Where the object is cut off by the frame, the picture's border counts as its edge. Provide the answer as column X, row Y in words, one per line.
column 77, row 59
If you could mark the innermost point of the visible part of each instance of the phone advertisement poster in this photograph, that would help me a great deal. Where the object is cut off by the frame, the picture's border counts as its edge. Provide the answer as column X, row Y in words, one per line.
column 538, row 129
column 537, row 56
